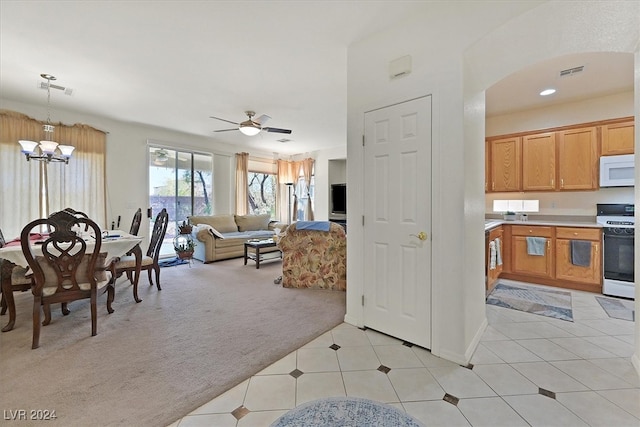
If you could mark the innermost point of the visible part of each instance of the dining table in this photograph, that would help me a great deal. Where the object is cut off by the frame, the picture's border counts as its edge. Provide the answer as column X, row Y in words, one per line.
column 114, row 242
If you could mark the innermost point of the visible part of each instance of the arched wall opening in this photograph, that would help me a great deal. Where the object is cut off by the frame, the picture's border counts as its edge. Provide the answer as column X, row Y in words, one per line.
column 551, row 30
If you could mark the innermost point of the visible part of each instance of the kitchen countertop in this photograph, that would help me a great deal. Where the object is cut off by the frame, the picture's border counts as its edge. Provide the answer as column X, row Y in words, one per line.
column 493, row 223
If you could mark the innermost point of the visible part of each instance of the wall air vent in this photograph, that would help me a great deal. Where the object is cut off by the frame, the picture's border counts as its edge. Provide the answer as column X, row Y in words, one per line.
column 571, row 71
column 66, row 90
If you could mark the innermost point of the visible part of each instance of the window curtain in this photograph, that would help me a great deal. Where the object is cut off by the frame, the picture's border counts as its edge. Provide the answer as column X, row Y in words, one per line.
column 33, row 189
column 307, row 171
column 242, row 170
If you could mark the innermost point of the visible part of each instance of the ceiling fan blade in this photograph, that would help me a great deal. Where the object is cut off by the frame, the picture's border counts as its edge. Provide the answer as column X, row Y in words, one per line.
column 277, row 130
column 225, row 130
column 224, row 120
column 262, row 119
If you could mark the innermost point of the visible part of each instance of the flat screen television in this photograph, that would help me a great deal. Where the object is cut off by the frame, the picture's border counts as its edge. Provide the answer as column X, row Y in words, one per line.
column 338, row 198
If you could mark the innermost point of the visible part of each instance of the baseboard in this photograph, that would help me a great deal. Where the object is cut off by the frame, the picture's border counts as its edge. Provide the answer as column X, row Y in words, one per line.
column 475, row 341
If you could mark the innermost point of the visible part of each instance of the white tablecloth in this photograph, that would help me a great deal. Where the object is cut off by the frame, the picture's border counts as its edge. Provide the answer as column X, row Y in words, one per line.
column 113, row 246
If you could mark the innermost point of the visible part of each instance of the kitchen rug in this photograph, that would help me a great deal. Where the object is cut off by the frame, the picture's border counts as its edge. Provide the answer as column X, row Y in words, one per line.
column 618, row 308
column 532, row 299
column 344, row 412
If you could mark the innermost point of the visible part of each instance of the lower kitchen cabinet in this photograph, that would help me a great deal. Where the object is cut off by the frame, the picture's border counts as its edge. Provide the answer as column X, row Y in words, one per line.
column 531, row 265
column 565, row 269
column 494, row 268
column 555, row 267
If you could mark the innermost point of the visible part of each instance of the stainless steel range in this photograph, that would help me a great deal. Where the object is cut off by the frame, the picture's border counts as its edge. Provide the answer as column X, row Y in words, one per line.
column 618, row 226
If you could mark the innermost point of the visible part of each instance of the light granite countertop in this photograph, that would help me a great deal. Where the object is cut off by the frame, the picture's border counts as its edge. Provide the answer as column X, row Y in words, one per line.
column 493, row 223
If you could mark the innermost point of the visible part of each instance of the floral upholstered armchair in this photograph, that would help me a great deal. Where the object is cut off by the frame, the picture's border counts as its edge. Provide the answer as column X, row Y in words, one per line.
column 313, row 258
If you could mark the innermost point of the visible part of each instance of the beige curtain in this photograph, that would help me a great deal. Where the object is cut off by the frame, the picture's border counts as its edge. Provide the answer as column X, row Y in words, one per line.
column 33, row 189
column 242, row 170
column 307, row 171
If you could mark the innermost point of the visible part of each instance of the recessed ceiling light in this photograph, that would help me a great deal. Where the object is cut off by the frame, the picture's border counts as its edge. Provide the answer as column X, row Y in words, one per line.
column 547, row 92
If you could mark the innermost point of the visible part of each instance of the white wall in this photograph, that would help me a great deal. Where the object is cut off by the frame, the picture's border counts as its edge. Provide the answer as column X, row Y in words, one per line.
column 126, row 159
column 455, row 62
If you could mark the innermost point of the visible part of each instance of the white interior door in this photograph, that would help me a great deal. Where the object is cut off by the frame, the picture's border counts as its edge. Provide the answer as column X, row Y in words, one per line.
column 397, row 203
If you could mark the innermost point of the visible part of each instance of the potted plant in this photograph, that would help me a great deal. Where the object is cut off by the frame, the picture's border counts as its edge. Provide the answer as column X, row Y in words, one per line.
column 183, row 243
column 184, row 246
column 509, row 216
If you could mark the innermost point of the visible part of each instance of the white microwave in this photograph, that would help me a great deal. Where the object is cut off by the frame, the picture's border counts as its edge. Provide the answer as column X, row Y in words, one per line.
column 617, row 171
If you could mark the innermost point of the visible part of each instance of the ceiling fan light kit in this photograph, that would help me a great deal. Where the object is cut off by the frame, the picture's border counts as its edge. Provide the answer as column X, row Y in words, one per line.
column 252, row 126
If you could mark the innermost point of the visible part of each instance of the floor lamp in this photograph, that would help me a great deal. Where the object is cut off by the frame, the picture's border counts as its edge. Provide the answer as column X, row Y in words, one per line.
column 289, row 186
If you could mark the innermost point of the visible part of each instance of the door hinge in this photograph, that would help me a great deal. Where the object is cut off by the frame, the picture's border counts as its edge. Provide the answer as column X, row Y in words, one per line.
column 363, row 140
column 363, row 300
column 363, row 220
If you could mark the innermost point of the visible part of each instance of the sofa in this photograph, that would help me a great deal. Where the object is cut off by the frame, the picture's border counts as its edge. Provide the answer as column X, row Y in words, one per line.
column 313, row 258
column 221, row 237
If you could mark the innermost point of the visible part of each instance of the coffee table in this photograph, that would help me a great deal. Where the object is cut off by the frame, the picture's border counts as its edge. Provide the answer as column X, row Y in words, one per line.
column 261, row 250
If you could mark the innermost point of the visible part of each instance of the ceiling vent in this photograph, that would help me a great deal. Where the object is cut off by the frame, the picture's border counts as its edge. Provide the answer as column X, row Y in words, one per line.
column 66, row 90
column 571, row 71
column 283, row 140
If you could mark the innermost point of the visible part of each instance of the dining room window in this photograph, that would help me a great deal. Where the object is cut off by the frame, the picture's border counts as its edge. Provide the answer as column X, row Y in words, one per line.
column 34, row 189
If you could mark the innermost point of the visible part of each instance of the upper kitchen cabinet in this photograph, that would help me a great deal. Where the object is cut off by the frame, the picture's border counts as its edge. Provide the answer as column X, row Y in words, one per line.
column 578, row 159
column 505, row 164
column 539, row 162
column 618, row 138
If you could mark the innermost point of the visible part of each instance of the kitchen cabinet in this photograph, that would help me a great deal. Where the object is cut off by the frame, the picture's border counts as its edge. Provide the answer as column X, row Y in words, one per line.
column 531, row 265
column 505, row 164
column 565, row 269
column 578, row 159
column 494, row 273
column 539, row 162
column 618, row 138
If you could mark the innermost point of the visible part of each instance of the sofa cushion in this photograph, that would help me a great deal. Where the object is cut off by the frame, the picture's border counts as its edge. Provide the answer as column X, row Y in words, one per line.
column 222, row 223
column 253, row 222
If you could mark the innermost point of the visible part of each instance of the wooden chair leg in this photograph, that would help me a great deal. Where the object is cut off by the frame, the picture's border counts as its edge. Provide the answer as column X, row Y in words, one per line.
column 36, row 323
column 3, row 306
column 47, row 314
column 150, row 279
column 111, row 293
column 65, row 310
column 157, row 269
column 94, row 312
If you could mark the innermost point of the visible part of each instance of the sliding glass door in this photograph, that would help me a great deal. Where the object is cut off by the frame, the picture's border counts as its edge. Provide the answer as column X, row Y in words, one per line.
column 180, row 181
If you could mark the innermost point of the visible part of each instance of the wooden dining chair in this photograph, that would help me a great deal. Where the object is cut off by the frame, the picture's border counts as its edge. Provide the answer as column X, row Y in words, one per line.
column 135, row 224
column 12, row 279
column 149, row 262
column 63, row 269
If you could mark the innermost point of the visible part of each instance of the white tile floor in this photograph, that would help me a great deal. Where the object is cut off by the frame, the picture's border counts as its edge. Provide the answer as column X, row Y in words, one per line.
column 528, row 370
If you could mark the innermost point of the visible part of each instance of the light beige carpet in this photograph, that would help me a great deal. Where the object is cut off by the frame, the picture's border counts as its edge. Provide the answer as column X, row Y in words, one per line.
column 211, row 327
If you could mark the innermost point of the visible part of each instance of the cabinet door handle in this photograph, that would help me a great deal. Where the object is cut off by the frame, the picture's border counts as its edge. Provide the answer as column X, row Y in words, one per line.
column 596, row 247
column 561, row 183
column 575, row 234
column 493, row 185
column 549, row 244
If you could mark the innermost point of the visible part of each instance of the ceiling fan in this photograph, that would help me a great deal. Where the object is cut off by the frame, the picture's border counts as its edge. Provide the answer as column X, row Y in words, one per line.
column 252, row 126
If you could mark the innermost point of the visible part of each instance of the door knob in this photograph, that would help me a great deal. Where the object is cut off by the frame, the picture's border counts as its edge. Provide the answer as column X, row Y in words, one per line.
column 421, row 235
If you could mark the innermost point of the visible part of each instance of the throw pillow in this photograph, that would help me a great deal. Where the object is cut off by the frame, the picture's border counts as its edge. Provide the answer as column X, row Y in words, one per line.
column 222, row 223
column 253, row 222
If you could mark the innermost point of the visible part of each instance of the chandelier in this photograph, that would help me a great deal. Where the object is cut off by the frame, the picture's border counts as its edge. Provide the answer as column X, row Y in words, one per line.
column 47, row 150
